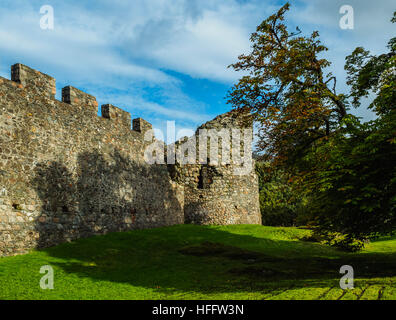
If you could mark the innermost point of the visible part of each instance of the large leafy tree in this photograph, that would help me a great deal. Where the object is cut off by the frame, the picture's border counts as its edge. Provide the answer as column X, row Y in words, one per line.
column 355, row 188
column 347, row 168
column 287, row 90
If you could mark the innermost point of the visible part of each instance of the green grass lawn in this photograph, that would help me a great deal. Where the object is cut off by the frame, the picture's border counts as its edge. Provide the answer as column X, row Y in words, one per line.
column 198, row 262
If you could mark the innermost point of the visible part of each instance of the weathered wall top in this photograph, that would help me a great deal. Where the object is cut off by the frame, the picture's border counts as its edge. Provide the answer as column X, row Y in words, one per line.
column 40, row 84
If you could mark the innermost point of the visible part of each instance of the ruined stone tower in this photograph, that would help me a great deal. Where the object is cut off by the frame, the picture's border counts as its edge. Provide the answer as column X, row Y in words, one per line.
column 220, row 192
column 66, row 172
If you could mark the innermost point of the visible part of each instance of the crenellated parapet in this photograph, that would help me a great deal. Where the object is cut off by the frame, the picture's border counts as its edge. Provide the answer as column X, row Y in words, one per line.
column 42, row 85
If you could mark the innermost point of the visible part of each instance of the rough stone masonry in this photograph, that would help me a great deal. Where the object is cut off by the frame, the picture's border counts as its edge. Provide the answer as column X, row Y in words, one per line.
column 67, row 173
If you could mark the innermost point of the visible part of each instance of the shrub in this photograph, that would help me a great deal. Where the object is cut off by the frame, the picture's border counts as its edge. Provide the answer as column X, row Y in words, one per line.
column 279, row 203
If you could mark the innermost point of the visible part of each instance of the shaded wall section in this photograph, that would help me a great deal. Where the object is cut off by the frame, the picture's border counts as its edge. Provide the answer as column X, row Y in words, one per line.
column 67, row 173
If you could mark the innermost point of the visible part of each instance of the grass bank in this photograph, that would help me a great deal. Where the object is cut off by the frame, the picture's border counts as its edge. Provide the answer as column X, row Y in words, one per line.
column 198, row 262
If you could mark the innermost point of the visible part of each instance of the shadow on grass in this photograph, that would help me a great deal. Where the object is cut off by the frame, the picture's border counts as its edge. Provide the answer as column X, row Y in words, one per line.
column 208, row 260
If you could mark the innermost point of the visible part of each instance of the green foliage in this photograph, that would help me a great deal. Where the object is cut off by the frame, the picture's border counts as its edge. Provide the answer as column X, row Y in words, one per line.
column 354, row 181
column 354, row 190
column 343, row 242
column 280, row 205
column 336, row 239
column 375, row 74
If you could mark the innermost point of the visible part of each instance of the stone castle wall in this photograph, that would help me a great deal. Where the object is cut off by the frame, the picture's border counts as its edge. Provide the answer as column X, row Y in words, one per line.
column 67, row 173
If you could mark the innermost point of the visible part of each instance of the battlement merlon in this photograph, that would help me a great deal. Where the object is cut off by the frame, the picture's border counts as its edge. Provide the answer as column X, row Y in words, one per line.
column 141, row 125
column 75, row 96
column 118, row 116
column 34, row 80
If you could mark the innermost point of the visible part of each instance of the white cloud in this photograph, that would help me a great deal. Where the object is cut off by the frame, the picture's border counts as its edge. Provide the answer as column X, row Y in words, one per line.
column 127, row 46
column 200, row 47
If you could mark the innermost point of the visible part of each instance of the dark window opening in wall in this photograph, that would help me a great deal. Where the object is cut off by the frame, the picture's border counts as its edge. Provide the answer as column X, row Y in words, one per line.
column 205, row 178
column 201, row 179
column 172, row 171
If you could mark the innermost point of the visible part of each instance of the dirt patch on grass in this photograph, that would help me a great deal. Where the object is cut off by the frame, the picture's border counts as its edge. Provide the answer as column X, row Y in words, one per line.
column 258, row 265
column 207, row 249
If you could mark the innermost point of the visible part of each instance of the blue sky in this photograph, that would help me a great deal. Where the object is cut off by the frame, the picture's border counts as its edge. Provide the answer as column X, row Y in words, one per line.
column 167, row 59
